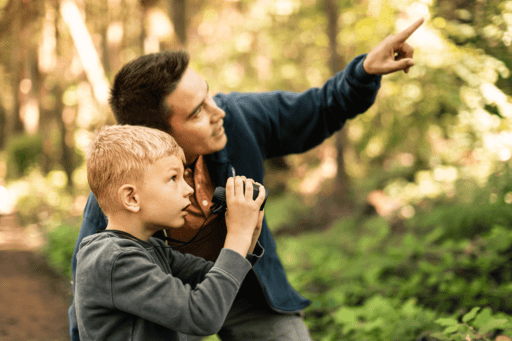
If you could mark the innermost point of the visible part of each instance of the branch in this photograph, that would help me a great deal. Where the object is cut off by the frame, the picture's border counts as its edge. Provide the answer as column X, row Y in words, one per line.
column 86, row 51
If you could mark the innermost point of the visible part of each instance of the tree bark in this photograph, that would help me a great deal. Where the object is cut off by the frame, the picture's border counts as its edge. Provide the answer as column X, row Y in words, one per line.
column 16, row 125
column 3, row 126
column 178, row 13
column 86, row 51
column 67, row 153
column 341, row 198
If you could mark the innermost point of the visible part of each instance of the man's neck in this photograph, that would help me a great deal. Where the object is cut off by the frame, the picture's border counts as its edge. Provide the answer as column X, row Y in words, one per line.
column 191, row 164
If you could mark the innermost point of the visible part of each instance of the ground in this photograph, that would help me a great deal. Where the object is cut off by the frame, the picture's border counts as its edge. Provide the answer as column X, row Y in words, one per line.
column 34, row 298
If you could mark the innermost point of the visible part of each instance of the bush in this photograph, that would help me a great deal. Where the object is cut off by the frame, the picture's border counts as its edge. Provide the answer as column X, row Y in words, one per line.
column 60, row 246
column 475, row 325
column 23, row 151
column 462, row 220
column 383, row 318
column 370, row 283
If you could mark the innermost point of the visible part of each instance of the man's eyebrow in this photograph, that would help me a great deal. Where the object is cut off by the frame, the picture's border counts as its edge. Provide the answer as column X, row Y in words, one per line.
column 202, row 102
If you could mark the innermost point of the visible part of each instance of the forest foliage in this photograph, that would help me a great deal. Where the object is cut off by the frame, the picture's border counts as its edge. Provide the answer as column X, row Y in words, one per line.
column 397, row 227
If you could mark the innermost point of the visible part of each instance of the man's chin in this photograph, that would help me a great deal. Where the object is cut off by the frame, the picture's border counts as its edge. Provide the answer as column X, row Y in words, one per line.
column 223, row 142
column 219, row 144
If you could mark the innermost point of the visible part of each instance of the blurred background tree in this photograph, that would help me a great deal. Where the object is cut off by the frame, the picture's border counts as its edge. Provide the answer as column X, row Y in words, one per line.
column 433, row 151
column 428, row 130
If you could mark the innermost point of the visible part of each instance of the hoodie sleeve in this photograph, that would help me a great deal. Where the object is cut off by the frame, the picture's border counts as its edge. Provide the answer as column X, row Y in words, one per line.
column 141, row 288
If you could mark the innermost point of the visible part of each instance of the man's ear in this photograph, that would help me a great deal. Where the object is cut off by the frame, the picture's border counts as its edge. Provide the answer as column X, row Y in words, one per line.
column 129, row 197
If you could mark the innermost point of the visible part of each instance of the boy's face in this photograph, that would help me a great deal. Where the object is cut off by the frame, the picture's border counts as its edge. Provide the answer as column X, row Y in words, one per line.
column 165, row 195
column 196, row 121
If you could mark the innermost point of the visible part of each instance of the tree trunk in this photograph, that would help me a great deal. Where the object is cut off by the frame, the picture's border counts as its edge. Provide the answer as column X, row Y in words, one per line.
column 341, row 199
column 67, row 153
column 3, row 126
column 178, row 13
column 16, row 123
column 47, row 112
column 32, row 113
column 105, row 55
column 86, row 51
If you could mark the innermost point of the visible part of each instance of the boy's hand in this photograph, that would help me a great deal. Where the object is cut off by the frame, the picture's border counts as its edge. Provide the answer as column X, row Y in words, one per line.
column 242, row 214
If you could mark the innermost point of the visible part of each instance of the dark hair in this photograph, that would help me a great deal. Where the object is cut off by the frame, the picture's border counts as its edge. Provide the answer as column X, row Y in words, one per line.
column 140, row 88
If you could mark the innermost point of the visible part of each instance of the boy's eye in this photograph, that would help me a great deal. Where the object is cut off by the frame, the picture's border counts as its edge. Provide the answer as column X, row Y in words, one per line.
column 173, row 179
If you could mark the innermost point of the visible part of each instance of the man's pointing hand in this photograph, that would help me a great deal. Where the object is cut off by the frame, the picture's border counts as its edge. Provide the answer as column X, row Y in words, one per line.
column 392, row 54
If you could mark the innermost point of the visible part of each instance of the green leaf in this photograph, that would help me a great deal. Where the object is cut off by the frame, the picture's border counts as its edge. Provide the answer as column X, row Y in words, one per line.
column 451, row 329
column 471, row 315
column 482, row 318
column 446, row 321
column 492, row 324
column 440, row 336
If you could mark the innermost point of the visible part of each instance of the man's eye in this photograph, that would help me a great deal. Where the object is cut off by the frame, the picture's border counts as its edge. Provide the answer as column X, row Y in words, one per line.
column 198, row 111
column 173, row 179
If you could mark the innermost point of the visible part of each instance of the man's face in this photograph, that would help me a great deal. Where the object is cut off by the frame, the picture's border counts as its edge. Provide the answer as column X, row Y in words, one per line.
column 196, row 121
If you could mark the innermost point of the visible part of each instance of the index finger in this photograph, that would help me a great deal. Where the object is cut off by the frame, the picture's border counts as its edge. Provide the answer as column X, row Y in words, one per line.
column 405, row 34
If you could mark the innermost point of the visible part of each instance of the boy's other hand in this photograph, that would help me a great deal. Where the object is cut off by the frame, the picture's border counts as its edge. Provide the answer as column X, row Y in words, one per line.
column 243, row 215
column 257, row 231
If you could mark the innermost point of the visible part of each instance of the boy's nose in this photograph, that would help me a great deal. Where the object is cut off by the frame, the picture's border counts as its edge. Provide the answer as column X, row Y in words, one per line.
column 188, row 190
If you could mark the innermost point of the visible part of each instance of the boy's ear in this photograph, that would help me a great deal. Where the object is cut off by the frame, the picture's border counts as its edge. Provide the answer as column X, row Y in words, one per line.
column 129, row 198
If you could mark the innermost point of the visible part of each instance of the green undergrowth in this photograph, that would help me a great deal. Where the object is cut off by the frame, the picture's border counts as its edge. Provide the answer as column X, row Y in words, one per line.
column 371, row 281
column 60, row 245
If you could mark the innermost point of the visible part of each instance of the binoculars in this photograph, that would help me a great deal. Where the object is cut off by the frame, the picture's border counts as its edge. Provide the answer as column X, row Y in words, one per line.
column 219, row 198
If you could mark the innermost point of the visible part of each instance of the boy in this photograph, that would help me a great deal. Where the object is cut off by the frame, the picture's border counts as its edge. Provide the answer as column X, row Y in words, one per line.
column 131, row 286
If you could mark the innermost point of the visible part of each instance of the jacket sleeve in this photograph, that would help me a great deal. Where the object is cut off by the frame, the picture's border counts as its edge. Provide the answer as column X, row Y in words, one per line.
column 285, row 122
column 141, row 288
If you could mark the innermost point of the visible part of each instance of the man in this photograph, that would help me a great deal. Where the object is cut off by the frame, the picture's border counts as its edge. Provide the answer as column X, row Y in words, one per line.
column 231, row 134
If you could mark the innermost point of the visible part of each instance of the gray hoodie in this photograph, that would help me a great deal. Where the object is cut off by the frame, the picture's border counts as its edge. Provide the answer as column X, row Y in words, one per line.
column 135, row 290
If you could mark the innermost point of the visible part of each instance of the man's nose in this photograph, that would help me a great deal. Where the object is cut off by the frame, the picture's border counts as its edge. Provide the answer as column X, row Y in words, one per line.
column 217, row 113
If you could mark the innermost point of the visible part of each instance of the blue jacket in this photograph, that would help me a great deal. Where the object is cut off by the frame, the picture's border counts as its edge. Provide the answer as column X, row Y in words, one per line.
column 265, row 125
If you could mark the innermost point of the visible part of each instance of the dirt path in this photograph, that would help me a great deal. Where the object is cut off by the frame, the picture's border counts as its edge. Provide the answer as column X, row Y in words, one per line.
column 33, row 298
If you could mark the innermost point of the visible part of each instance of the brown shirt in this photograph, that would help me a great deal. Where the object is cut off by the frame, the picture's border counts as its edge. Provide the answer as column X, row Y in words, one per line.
column 210, row 239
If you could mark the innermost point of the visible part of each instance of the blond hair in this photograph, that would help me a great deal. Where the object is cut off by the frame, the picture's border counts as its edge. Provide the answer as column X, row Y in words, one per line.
column 121, row 154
